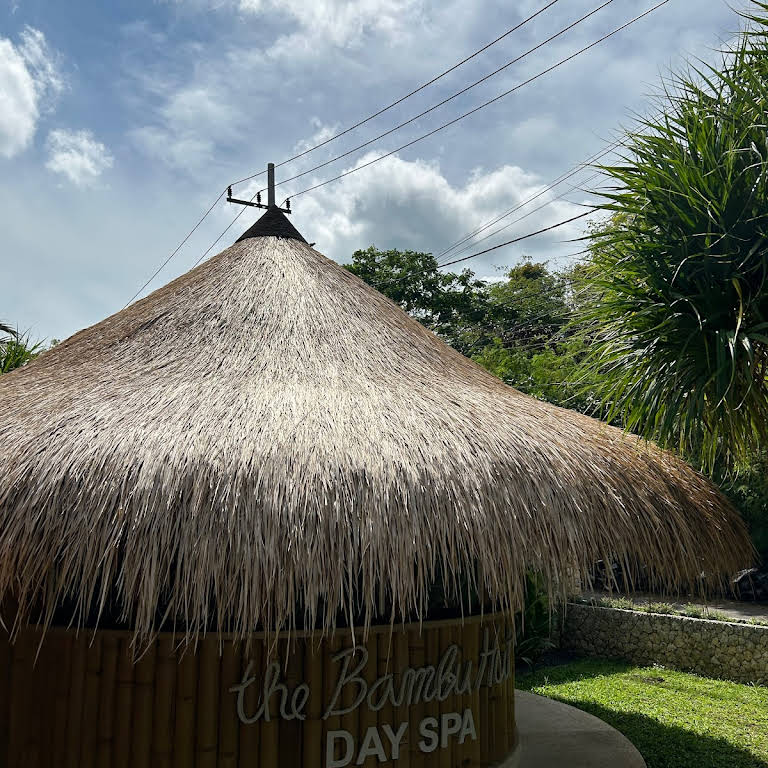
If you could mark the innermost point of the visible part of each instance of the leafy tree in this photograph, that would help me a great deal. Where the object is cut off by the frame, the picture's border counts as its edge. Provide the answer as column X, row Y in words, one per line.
column 532, row 346
column 679, row 327
column 748, row 489
column 529, row 307
column 448, row 303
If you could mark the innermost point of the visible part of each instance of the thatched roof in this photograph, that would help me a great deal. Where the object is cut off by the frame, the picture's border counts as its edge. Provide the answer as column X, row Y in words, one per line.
column 268, row 431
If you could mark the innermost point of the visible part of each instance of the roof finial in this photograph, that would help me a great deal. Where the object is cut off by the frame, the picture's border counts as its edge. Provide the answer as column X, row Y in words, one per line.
column 271, row 185
column 270, row 194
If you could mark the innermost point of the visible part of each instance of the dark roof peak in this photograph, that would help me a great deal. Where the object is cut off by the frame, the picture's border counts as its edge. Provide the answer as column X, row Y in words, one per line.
column 274, row 223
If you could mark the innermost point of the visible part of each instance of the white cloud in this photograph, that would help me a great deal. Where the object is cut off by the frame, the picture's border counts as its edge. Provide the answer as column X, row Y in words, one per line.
column 189, row 124
column 77, row 155
column 29, row 81
column 342, row 23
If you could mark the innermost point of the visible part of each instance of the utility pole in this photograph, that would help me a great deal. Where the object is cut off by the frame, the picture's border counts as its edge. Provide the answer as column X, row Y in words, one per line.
column 270, row 194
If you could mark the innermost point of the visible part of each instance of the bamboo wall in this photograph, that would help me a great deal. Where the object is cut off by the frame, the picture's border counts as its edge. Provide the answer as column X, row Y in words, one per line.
column 84, row 702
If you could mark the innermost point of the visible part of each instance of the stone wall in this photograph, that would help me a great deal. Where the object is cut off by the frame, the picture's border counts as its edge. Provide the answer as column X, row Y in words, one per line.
column 712, row 648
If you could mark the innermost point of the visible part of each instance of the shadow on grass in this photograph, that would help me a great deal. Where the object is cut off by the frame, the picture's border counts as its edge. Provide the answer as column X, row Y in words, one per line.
column 662, row 745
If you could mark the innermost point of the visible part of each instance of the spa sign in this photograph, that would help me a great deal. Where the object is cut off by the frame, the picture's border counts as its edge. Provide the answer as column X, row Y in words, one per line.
column 451, row 676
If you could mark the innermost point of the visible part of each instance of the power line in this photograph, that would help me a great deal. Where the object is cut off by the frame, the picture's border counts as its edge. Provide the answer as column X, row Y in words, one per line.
column 520, row 239
column 351, row 128
column 552, row 185
column 519, row 219
column 518, row 206
column 420, row 88
column 226, row 229
column 439, row 104
column 178, row 248
column 414, row 141
column 487, row 250
column 484, row 104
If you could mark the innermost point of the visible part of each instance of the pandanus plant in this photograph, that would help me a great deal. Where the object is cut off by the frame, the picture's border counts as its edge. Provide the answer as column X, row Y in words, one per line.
column 15, row 348
column 678, row 317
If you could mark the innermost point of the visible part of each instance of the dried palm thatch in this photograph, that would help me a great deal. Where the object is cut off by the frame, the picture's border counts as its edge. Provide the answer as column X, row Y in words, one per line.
column 268, row 432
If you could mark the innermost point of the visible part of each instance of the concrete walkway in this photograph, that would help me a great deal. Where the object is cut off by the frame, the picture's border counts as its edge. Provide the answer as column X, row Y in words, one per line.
column 555, row 735
column 734, row 609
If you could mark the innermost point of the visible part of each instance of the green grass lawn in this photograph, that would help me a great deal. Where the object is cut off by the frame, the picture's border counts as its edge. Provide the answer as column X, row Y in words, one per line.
column 676, row 720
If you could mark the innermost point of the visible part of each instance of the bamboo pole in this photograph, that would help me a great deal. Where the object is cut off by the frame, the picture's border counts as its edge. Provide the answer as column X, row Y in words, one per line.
column 90, row 726
column 5, row 696
column 432, row 708
column 402, row 662
column 142, row 708
column 385, row 666
column 416, row 644
column 186, row 694
column 351, row 721
column 75, row 708
column 270, row 737
column 460, row 750
column 503, row 688
column 445, row 753
column 107, row 688
column 43, row 684
column 19, row 706
column 332, row 647
column 208, row 704
column 366, row 717
column 290, row 731
column 164, row 704
column 313, row 756
column 511, row 714
column 229, row 728
column 61, row 700
column 250, row 733
column 472, row 653
column 485, row 726
column 121, row 753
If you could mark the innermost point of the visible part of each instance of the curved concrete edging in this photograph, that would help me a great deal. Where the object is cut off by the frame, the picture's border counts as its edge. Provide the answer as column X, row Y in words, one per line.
column 556, row 735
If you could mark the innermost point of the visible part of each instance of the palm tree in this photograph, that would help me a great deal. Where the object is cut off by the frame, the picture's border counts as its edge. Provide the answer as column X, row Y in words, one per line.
column 678, row 324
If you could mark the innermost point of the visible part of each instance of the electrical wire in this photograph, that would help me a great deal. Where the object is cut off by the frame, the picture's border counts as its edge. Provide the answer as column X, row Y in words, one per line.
column 439, row 104
column 518, row 206
column 519, row 219
column 411, row 143
column 520, row 239
column 351, row 128
column 484, row 104
column 177, row 249
column 420, row 88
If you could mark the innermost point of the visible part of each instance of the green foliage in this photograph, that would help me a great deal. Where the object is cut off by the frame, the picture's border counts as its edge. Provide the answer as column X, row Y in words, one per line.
column 533, row 627
column 532, row 346
column 748, row 489
column 447, row 303
column 679, row 331
column 514, row 327
column 16, row 350
column 676, row 720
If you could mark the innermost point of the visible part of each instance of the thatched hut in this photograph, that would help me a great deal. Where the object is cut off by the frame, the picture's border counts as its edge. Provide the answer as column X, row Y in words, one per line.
column 221, row 503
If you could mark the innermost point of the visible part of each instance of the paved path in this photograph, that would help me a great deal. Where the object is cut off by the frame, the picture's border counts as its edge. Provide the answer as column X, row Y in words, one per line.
column 733, row 608
column 556, row 735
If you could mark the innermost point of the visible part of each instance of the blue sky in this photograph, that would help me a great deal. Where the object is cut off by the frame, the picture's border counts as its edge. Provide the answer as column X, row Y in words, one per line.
column 120, row 122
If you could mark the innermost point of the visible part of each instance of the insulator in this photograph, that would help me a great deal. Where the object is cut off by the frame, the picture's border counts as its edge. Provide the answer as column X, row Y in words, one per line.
column 258, row 197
